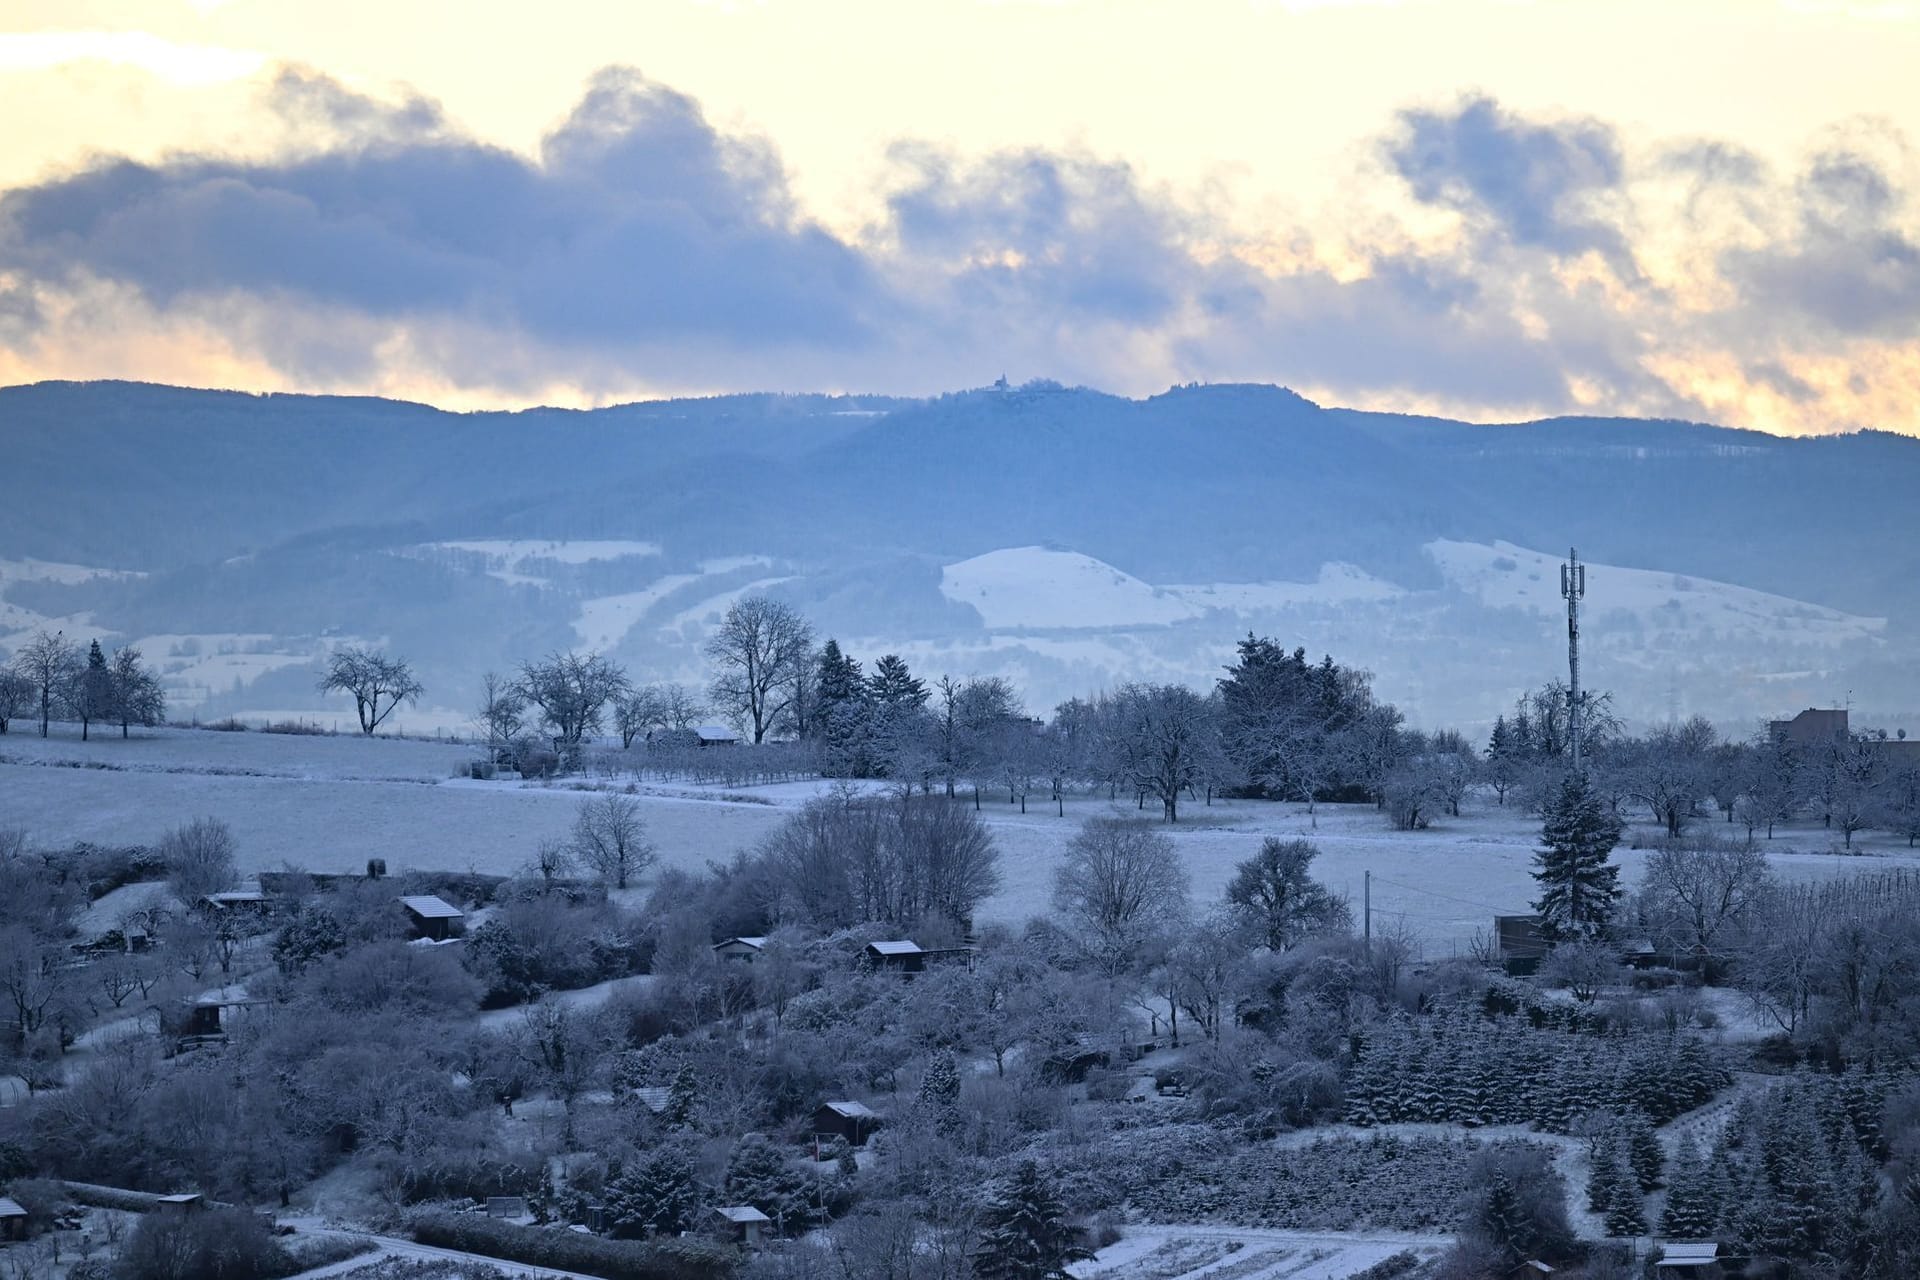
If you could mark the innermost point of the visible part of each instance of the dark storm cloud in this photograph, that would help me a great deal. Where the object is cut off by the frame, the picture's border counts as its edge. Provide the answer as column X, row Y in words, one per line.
column 1529, row 181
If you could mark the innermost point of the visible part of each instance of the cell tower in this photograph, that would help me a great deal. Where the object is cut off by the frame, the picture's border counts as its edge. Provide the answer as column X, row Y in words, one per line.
column 1573, row 588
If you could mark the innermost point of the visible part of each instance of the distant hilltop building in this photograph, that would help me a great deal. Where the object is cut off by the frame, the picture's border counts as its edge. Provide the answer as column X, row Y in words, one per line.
column 1817, row 725
column 1810, row 727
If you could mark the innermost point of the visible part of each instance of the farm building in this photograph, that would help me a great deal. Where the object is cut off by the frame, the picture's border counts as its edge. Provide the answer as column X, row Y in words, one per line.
column 745, row 950
column 13, row 1219
column 716, row 735
column 742, row 1223
column 432, row 917
column 853, row 1121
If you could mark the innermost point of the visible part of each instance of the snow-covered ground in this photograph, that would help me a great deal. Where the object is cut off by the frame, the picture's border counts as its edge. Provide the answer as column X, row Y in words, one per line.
column 330, row 803
column 1180, row 1252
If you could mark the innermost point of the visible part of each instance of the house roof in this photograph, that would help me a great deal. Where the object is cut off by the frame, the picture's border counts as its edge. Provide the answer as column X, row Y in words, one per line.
column 179, row 1197
column 431, row 907
column 11, row 1208
column 654, row 1097
column 716, row 733
column 898, row 947
column 235, row 897
column 755, row 943
column 741, row 1213
column 1688, row 1253
column 852, row 1110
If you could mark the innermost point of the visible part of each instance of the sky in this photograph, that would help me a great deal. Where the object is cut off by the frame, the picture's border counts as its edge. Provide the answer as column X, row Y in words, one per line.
column 1483, row 208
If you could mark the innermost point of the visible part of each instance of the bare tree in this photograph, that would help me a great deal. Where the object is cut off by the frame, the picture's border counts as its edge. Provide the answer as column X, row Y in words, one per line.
column 1275, row 892
column 376, row 683
column 640, row 711
column 1171, row 739
column 610, row 839
column 137, row 696
column 757, row 652
column 680, row 707
column 1119, row 881
column 199, row 859
column 1670, row 770
column 502, row 709
column 1697, row 900
column 48, row 662
column 16, row 695
column 572, row 692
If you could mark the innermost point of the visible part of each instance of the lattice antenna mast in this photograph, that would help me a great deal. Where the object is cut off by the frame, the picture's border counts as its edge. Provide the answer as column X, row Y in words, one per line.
column 1573, row 588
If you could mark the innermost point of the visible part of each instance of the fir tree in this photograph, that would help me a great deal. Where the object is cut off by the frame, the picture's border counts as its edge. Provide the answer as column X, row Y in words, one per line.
column 1024, row 1234
column 1690, row 1213
column 1578, row 885
column 759, row 1174
column 840, row 713
column 1606, row 1176
column 682, row 1093
column 92, row 697
column 655, row 1195
column 1644, row 1153
column 893, row 688
column 940, row 1086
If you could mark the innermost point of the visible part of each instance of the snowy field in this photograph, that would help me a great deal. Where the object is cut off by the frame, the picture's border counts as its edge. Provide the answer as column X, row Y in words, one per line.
column 330, row 803
column 1230, row 1253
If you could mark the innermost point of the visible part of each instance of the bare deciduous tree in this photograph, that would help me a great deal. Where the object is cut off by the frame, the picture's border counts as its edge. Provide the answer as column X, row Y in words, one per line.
column 502, row 708
column 572, row 692
column 199, row 859
column 16, row 695
column 1119, row 881
column 1697, row 900
column 49, row 663
column 376, row 683
column 757, row 652
column 611, row 840
column 137, row 696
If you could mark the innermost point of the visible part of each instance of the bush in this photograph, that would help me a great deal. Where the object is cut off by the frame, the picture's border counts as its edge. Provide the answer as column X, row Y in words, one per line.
column 217, row 1244
column 565, row 1250
column 299, row 728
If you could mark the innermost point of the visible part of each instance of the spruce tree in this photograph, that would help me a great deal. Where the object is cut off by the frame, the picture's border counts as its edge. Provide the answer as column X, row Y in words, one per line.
column 1606, row 1178
column 1024, row 1233
column 940, row 1090
column 655, row 1195
column 840, row 713
column 1690, row 1213
column 1578, row 885
column 759, row 1174
column 1644, row 1153
column 92, row 697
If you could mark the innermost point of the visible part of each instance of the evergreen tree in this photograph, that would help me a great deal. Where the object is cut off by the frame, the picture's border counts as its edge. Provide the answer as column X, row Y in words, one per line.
column 940, row 1086
column 655, row 1195
column 840, row 713
column 92, row 696
column 682, row 1092
column 759, row 1174
column 1690, row 1213
column 1644, row 1153
column 894, row 689
column 1024, row 1234
column 1578, row 885
column 1606, row 1176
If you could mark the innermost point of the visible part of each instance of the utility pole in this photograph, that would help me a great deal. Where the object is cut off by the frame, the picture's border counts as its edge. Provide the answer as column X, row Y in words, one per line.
column 1366, row 911
column 1573, row 588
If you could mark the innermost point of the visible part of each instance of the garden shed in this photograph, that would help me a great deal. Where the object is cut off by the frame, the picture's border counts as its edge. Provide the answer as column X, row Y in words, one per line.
column 854, row 1121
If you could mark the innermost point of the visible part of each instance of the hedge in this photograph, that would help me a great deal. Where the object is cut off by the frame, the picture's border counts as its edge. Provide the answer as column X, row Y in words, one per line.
column 565, row 1250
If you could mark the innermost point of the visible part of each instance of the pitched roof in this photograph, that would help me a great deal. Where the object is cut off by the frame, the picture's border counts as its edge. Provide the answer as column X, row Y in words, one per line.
column 741, row 1213
column 1688, row 1253
column 654, row 1097
column 179, row 1197
column 431, row 907
column 11, row 1208
column 755, row 943
column 235, row 897
column 716, row 733
column 898, row 947
column 852, row 1110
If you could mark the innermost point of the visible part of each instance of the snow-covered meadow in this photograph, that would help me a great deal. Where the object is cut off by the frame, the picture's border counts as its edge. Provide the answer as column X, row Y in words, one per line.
column 328, row 803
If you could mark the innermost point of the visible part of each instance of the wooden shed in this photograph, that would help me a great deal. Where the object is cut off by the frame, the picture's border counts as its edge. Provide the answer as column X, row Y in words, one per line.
column 180, row 1203
column 433, row 917
column 1682, row 1258
column 13, row 1219
column 742, row 1223
column 854, row 1121
column 1522, row 945
column 745, row 950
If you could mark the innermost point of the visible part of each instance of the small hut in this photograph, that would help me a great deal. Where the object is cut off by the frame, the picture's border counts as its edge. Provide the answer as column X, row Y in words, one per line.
column 13, row 1219
column 853, row 1121
column 742, row 1223
column 745, row 950
column 432, row 917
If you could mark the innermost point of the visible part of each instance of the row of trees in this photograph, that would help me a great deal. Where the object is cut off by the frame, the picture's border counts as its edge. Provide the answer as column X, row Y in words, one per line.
column 51, row 677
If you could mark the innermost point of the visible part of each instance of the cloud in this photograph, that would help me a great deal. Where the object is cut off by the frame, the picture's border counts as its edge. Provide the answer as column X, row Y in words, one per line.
column 1538, row 184
column 641, row 247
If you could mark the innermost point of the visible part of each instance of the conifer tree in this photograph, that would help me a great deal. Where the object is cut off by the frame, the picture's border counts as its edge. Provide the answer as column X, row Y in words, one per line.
column 759, row 1174
column 682, row 1093
column 92, row 692
column 1578, row 885
column 840, row 713
column 1024, row 1234
column 1690, row 1214
column 1606, row 1180
column 655, row 1195
column 940, row 1090
column 1644, row 1153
